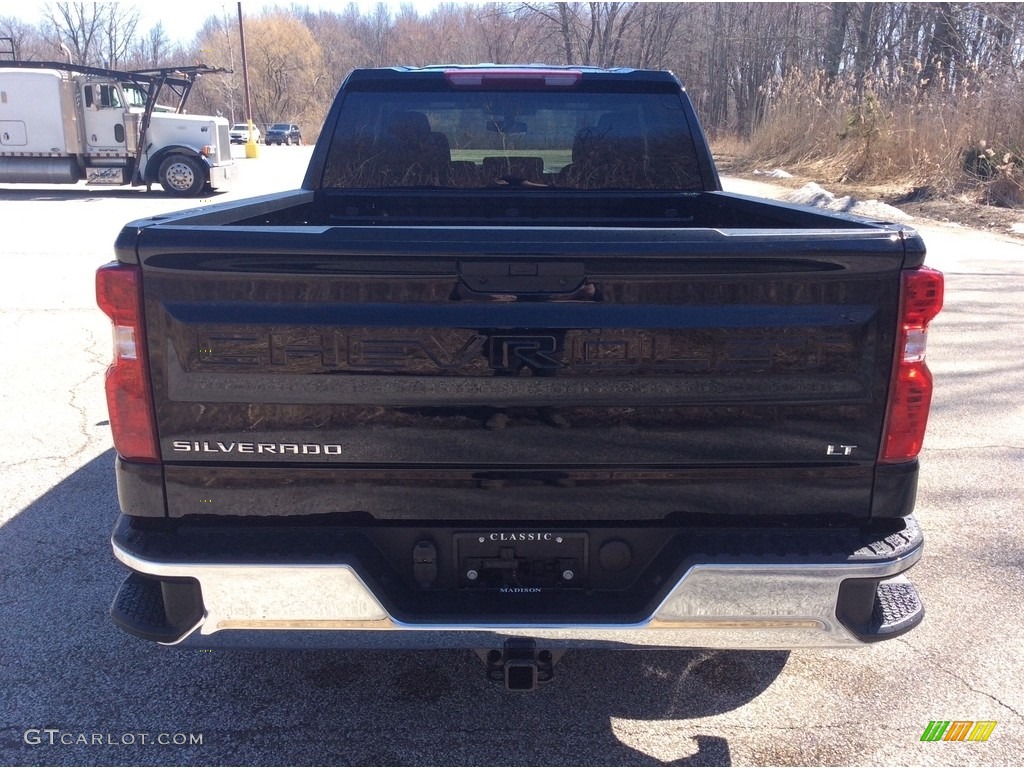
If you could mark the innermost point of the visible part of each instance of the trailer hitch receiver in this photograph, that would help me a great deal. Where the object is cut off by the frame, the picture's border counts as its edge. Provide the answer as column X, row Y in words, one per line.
column 519, row 665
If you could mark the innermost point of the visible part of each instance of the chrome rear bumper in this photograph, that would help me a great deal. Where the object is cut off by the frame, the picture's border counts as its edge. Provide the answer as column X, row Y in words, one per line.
column 736, row 605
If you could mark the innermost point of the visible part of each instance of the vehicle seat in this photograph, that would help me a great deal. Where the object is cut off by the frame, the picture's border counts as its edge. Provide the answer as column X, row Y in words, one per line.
column 465, row 174
column 412, row 154
column 608, row 155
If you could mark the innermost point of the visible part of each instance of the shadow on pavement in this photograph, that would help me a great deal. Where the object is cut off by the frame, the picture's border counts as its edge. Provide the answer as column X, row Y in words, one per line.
column 64, row 666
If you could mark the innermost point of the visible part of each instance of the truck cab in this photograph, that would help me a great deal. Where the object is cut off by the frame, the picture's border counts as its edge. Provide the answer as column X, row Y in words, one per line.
column 65, row 123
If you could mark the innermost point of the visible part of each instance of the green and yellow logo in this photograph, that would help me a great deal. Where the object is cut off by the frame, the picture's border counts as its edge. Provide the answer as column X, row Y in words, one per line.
column 958, row 730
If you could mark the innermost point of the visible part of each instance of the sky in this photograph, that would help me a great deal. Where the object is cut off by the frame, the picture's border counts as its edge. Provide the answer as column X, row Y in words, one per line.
column 189, row 15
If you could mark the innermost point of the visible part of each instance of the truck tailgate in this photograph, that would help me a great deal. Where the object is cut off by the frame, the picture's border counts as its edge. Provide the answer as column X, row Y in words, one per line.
column 695, row 371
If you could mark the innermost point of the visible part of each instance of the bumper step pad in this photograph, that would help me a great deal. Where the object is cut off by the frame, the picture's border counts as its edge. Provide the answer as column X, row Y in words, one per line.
column 879, row 609
column 141, row 607
column 898, row 608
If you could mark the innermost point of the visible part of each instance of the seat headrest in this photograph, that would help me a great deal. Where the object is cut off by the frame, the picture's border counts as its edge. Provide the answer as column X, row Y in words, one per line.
column 408, row 124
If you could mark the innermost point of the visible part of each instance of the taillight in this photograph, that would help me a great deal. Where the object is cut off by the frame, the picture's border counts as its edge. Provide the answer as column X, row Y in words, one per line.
column 129, row 397
column 513, row 78
column 910, row 393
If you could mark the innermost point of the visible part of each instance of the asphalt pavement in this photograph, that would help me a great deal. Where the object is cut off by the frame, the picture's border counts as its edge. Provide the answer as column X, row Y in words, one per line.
column 76, row 691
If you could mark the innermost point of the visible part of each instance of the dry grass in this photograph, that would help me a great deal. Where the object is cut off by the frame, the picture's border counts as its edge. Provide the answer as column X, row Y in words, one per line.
column 917, row 136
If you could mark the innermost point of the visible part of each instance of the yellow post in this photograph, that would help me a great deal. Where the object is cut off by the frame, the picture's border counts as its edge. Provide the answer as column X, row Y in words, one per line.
column 252, row 149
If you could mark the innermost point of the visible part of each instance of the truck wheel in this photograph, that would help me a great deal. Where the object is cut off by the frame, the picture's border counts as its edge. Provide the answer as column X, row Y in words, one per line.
column 182, row 176
column 287, row 141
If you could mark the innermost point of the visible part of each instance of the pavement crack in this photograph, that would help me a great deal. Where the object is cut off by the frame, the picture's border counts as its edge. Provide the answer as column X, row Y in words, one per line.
column 959, row 679
column 76, row 390
column 986, row 694
column 56, row 459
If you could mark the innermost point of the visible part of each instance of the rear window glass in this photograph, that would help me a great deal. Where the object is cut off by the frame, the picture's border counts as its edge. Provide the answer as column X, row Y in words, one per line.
column 516, row 139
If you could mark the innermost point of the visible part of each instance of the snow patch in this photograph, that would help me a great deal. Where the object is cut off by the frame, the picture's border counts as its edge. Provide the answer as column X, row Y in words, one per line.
column 814, row 195
column 1017, row 228
column 778, row 173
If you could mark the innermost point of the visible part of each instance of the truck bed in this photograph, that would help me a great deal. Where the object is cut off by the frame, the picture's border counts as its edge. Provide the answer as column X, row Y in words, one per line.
column 517, row 208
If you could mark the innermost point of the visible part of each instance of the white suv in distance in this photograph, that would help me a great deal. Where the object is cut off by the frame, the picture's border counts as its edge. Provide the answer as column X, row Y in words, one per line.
column 240, row 133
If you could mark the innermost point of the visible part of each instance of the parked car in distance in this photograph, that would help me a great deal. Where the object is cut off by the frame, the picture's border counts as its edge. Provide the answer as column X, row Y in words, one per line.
column 240, row 133
column 284, row 133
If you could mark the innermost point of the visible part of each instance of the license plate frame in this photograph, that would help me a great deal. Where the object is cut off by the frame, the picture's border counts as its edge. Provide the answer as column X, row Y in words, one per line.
column 520, row 560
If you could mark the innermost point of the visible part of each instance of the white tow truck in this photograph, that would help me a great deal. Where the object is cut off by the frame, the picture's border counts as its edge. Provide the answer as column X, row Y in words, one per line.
column 64, row 123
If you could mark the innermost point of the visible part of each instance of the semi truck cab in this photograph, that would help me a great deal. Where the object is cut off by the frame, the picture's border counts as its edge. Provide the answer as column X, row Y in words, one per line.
column 62, row 123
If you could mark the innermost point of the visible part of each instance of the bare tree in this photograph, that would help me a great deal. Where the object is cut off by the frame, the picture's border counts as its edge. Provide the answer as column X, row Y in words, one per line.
column 27, row 42
column 97, row 34
column 154, row 50
column 591, row 33
column 376, row 34
column 79, row 26
column 835, row 38
column 342, row 51
column 657, row 25
column 287, row 79
column 498, row 27
column 118, row 33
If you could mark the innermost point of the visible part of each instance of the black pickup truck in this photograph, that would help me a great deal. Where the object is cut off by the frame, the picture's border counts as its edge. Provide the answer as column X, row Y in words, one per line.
column 511, row 372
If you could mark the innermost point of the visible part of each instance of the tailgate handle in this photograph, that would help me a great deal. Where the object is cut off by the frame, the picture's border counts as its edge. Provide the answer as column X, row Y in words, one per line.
column 522, row 276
